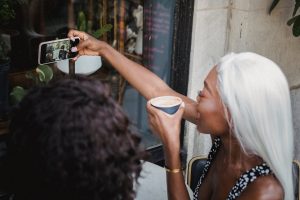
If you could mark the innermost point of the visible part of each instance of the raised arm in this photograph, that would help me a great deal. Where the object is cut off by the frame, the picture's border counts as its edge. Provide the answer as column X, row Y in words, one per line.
column 143, row 80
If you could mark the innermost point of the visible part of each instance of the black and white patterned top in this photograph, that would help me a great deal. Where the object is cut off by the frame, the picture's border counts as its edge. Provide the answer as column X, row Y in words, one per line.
column 244, row 180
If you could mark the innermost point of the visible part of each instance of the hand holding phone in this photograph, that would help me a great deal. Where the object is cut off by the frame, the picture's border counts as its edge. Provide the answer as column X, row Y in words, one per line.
column 89, row 45
column 56, row 50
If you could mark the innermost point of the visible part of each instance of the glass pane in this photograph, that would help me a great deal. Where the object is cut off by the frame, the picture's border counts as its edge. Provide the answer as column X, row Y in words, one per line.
column 157, row 51
column 141, row 30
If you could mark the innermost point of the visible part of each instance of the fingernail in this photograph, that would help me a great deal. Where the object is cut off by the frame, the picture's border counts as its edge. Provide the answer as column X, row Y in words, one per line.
column 75, row 58
column 74, row 49
column 183, row 104
column 72, row 38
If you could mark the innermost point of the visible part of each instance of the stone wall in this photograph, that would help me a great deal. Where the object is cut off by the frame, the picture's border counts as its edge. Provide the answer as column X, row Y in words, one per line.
column 295, row 94
column 223, row 26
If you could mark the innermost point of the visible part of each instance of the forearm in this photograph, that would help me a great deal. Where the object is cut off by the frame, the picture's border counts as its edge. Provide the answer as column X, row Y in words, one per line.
column 175, row 181
column 146, row 82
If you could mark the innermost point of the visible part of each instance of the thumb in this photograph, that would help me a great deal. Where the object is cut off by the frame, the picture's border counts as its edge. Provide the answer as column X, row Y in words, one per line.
column 180, row 111
column 150, row 108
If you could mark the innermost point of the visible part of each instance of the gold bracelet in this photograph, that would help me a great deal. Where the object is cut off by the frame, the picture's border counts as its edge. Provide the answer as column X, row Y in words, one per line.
column 172, row 170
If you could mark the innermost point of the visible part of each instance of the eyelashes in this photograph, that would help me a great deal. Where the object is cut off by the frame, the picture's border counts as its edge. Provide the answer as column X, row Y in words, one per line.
column 200, row 93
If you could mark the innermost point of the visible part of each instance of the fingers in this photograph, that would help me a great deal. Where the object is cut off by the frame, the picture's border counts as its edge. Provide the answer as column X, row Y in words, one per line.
column 83, row 45
column 76, row 58
column 81, row 35
column 153, row 118
column 151, row 121
column 150, row 108
column 180, row 111
column 76, row 33
column 155, row 111
column 74, row 49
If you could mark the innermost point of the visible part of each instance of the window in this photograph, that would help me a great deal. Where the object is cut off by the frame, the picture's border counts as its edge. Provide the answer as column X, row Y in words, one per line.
column 146, row 31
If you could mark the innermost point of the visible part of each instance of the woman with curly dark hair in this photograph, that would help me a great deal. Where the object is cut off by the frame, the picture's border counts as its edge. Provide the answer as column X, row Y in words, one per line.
column 71, row 140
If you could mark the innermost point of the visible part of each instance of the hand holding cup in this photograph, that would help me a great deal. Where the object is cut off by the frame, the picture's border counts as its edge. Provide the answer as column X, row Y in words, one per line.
column 168, row 104
column 164, row 115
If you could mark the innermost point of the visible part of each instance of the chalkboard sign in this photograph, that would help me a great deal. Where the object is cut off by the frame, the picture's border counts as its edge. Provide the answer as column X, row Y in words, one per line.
column 158, row 36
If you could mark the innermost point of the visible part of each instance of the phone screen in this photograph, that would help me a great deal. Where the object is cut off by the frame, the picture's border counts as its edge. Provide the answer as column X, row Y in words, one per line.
column 56, row 50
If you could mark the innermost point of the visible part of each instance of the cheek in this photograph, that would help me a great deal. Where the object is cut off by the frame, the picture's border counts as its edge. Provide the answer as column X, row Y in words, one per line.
column 211, row 118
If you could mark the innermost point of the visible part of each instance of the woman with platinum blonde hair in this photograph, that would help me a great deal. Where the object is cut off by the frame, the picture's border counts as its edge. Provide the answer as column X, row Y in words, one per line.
column 244, row 106
column 256, row 94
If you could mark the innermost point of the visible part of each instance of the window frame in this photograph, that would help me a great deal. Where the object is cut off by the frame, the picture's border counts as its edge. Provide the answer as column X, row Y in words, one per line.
column 180, row 62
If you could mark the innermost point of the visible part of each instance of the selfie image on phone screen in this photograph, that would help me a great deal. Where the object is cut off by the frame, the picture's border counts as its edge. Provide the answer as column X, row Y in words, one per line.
column 56, row 50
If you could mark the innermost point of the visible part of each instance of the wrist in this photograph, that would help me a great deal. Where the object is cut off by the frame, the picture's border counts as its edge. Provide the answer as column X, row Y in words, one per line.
column 171, row 149
column 172, row 160
column 104, row 51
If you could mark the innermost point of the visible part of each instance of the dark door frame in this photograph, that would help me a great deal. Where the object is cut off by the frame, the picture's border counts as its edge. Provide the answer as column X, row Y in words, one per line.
column 183, row 20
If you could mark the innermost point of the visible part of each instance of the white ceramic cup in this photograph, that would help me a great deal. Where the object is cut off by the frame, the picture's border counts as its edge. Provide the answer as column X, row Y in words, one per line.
column 168, row 104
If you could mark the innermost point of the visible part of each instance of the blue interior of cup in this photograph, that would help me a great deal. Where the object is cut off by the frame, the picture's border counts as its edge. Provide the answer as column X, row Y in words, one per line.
column 169, row 110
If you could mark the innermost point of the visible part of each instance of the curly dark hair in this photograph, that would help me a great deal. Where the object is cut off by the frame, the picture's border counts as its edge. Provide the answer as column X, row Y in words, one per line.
column 71, row 140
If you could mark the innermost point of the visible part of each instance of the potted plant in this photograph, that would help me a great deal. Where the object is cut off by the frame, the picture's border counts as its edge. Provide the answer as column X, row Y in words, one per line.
column 6, row 14
column 42, row 75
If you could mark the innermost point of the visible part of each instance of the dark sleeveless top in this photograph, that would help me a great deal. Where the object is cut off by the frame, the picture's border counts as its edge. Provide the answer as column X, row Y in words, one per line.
column 244, row 180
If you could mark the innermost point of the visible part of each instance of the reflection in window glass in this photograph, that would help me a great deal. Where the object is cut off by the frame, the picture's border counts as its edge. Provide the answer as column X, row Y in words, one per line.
column 157, row 50
column 141, row 30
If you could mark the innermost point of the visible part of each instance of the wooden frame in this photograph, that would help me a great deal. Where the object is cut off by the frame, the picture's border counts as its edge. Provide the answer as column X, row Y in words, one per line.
column 189, row 168
column 180, row 60
column 297, row 163
column 184, row 11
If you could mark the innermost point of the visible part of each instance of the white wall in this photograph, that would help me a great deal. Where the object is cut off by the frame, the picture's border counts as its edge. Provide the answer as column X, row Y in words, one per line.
column 222, row 26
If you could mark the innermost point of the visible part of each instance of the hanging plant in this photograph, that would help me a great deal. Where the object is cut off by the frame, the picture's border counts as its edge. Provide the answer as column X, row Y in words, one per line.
column 294, row 21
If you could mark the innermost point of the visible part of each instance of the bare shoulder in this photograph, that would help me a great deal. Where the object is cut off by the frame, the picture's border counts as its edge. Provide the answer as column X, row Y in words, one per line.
column 263, row 188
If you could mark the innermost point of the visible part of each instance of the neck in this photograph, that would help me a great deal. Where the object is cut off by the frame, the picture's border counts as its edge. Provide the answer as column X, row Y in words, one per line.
column 234, row 156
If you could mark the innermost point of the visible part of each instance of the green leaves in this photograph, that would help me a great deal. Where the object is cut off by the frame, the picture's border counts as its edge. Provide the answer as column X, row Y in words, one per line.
column 273, row 5
column 41, row 76
column 296, row 27
column 295, row 20
column 6, row 11
column 17, row 94
column 297, row 5
column 104, row 29
column 84, row 25
column 3, row 50
column 81, row 23
column 45, row 73
column 292, row 20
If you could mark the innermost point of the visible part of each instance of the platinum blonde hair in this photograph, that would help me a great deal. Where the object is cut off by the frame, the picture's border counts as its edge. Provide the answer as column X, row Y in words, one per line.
column 256, row 94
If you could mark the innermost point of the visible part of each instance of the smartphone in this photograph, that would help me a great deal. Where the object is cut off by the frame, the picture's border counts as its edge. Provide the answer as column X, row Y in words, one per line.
column 56, row 50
